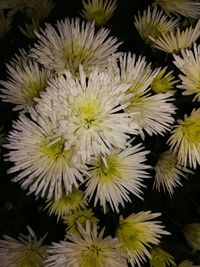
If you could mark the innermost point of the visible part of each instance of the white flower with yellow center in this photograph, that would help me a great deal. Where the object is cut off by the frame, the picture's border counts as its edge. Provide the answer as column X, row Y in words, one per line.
column 189, row 64
column 114, row 177
column 88, row 249
column 185, row 139
column 75, row 43
column 42, row 163
column 98, row 10
column 25, row 83
column 174, row 40
column 144, row 108
column 137, row 233
column 28, row 251
column 186, row 8
column 153, row 22
column 168, row 172
column 90, row 112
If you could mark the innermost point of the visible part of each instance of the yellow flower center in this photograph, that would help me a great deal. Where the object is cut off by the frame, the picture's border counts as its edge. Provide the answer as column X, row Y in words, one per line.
column 192, row 129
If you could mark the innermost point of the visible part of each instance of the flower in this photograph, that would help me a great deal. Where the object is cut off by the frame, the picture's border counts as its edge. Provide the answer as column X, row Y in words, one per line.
column 75, row 43
column 174, row 41
column 185, row 8
column 160, row 258
column 42, row 163
column 25, row 83
column 113, row 177
column 28, row 251
column 79, row 217
column 153, row 23
column 143, row 107
column 192, row 235
column 163, row 82
column 137, row 233
column 30, row 29
column 189, row 64
column 67, row 203
column 186, row 263
column 185, row 139
column 98, row 10
column 88, row 249
column 5, row 24
column 169, row 172
column 90, row 111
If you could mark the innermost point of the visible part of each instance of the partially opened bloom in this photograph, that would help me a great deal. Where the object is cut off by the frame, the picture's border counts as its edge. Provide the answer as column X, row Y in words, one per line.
column 25, row 82
column 75, row 43
column 88, row 249
column 144, row 108
column 173, row 41
column 137, row 233
column 168, row 172
column 160, row 258
column 41, row 162
column 163, row 82
column 189, row 64
column 192, row 235
column 27, row 251
column 79, row 217
column 112, row 178
column 186, row 8
column 185, row 139
column 91, row 113
column 38, row 10
column 153, row 22
column 98, row 10
column 68, row 203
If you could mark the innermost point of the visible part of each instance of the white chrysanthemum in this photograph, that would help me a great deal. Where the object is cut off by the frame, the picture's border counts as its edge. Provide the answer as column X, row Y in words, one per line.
column 25, row 82
column 169, row 172
column 186, row 8
column 189, row 64
column 153, row 23
column 98, row 10
column 42, row 163
column 25, row 252
column 144, row 107
column 90, row 111
column 185, row 139
column 112, row 178
column 137, row 233
column 174, row 41
column 88, row 249
column 75, row 43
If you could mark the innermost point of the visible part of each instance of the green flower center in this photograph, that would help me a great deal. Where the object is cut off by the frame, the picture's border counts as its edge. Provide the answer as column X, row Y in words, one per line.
column 91, row 257
column 192, row 129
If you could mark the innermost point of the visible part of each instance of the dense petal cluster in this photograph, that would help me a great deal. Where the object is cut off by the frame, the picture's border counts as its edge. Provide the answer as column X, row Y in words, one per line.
column 75, row 43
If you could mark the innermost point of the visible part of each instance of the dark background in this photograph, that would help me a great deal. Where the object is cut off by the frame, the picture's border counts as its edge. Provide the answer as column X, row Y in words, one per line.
column 18, row 210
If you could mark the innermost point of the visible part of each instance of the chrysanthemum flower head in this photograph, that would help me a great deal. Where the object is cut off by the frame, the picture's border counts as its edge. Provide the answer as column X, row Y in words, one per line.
column 160, row 258
column 113, row 177
column 91, row 113
column 153, row 22
column 168, row 172
column 163, row 82
column 5, row 24
column 88, row 249
column 42, row 163
column 192, row 235
column 137, row 233
column 189, row 64
column 98, row 10
column 175, row 40
column 25, row 82
column 79, row 216
column 67, row 203
column 27, row 251
column 144, row 108
column 185, row 139
column 186, row 8
column 75, row 43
